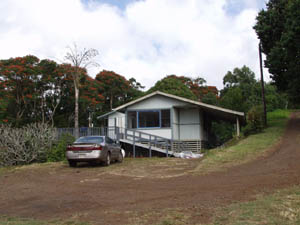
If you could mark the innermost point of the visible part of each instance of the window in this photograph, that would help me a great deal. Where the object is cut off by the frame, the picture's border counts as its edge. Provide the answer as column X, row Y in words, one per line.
column 165, row 118
column 149, row 119
column 92, row 140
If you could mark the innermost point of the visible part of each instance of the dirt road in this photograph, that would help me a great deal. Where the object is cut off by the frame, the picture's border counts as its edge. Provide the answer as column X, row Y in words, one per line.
column 100, row 196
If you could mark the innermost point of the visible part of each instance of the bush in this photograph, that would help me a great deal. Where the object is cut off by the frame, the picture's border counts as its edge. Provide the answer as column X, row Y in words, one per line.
column 255, row 120
column 57, row 152
column 19, row 146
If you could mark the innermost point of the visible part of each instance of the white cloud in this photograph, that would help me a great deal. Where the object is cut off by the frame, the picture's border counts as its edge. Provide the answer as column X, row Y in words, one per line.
column 148, row 40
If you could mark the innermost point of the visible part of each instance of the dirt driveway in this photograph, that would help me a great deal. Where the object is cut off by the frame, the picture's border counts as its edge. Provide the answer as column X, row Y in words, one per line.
column 145, row 188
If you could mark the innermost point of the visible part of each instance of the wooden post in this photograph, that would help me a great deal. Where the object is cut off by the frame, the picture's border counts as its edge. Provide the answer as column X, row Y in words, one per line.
column 262, row 85
column 237, row 127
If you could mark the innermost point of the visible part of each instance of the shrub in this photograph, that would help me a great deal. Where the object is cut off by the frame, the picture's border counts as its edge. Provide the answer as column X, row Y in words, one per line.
column 57, row 152
column 25, row 145
column 255, row 120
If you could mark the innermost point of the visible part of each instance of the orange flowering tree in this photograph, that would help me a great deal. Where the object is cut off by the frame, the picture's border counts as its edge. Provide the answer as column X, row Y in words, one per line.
column 18, row 78
column 114, row 88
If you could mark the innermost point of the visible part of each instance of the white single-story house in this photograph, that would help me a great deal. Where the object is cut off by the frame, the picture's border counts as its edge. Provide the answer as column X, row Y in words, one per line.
column 171, row 117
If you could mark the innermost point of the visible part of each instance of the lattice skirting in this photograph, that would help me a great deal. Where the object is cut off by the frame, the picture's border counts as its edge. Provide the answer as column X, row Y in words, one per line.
column 189, row 145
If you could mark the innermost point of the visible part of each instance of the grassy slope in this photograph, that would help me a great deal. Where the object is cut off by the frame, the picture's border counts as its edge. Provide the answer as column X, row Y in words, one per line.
column 248, row 148
column 282, row 207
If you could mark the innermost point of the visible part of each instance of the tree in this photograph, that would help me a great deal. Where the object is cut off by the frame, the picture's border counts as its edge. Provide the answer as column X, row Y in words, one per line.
column 239, row 86
column 91, row 98
column 80, row 59
column 173, row 85
column 114, row 88
column 278, row 30
column 18, row 78
column 135, row 90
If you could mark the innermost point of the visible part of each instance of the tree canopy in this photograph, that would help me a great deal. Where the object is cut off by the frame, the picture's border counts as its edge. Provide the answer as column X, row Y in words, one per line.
column 186, row 87
column 173, row 85
column 278, row 29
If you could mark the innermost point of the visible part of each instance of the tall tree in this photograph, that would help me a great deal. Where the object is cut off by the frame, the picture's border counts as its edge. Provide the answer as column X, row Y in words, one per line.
column 80, row 59
column 278, row 30
column 114, row 88
column 238, row 89
column 18, row 76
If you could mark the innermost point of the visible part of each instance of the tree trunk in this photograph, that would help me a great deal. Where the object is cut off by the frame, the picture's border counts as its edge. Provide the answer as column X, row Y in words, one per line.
column 111, row 101
column 76, row 110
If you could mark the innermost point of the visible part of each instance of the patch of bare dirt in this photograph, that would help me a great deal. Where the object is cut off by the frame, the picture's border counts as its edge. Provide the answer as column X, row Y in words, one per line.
column 124, row 192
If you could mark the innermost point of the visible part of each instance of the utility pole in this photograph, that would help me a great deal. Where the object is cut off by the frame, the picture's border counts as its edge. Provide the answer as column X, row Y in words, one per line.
column 262, row 85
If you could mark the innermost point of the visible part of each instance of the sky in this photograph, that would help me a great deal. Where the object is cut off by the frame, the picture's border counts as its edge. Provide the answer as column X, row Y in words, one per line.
column 144, row 39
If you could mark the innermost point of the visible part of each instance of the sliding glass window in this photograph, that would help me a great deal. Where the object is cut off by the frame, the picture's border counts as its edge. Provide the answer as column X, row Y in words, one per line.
column 149, row 119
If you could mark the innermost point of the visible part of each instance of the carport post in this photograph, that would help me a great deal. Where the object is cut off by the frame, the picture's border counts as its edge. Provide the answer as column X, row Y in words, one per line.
column 237, row 127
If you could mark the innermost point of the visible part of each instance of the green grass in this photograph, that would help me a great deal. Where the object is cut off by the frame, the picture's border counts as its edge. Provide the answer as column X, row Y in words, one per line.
column 248, row 148
column 282, row 207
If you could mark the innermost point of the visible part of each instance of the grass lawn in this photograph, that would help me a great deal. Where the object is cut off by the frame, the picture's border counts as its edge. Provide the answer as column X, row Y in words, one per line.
column 282, row 207
column 248, row 148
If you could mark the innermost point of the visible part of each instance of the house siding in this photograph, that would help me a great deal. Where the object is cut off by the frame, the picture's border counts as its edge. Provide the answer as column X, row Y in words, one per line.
column 119, row 118
column 162, row 132
column 175, row 123
column 156, row 102
column 189, row 124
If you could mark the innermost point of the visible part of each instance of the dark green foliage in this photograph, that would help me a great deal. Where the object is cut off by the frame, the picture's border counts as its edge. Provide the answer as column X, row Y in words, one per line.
column 278, row 28
column 174, row 86
column 116, row 89
column 255, row 120
column 210, row 98
column 58, row 150
column 221, row 132
column 239, row 89
column 242, row 92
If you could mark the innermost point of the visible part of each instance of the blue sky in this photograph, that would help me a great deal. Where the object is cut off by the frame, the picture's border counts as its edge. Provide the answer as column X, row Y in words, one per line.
column 119, row 3
column 147, row 41
column 232, row 7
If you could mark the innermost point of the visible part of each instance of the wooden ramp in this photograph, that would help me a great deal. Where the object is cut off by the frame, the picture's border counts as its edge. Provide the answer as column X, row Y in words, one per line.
column 148, row 147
